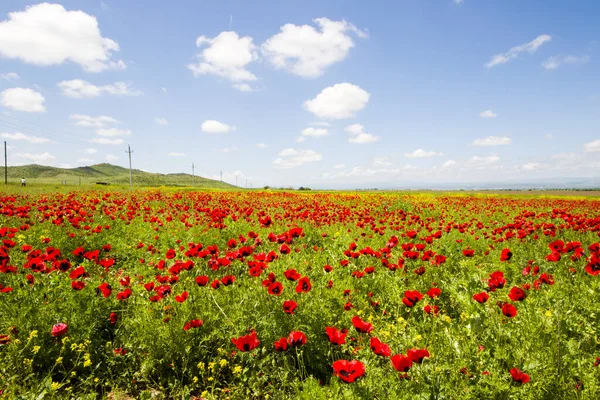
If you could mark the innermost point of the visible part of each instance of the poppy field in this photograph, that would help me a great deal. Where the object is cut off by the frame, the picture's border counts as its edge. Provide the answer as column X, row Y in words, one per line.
column 224, row 294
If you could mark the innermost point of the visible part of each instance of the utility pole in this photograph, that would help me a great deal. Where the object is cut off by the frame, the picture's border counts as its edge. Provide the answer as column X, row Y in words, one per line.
column 193, row 176
column 5, row 165
column 130, row 175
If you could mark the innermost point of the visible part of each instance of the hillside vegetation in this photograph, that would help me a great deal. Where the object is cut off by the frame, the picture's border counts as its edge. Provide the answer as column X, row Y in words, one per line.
column 111, row 174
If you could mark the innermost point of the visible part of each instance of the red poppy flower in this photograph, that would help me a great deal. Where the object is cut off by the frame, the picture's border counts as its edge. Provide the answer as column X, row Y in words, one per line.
column 124, row 295
column 505, row 255
column 401, row 363
column 113, row 318
column 194, row 323
column 468, row 253
column 593, row 266
column 304, row 285
column 215, row 284
column 77, row 285
column 360, row 325
column 77, row 273
column 517, row 294
column 553, row 257
column 434, row 292
column 228, row 280
column 519, row 376
column 170, row 254
column 411, row 297
column 281, row 344
column 509, row 310
column 181, row 298
column 481, row 297
column 379, row 348
column 417, row 355
column 275, row 289
column 120, row 351
column 105, row 289
column 289, row 306
column 496, row 280
column 296, row 338
column 336, row 336
column 247, row 342
column 292, row 275
column 202, row 280
column 431, row 309
column 59, row 329
column 4, row 339
column 348, row 371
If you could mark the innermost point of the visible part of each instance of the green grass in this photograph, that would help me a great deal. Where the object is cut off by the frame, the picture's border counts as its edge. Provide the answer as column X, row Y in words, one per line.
column 112, row 174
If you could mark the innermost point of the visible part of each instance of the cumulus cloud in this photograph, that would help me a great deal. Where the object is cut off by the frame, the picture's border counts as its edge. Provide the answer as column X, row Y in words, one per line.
column 592, row 147
column 420, row 153
column 261, row 145
column 307, row 51
column 488, row 114
column 103, row 140
column 47, row 34
column 514, row 52
column 9, row 76
column 27, row 138
column 93, row 122
column 110, row 158
column 556, row 61
column 242, row 87
column 85, row 160
column 315, row 132
column 339, row 166
column 80, row 89
column 23, row 99
column 482, row 162
column 113, row 132
column 340, row 101
column 90, row 151
column 533, row 166
column 492, row 141
column 175, row 154
column 212, row 126
column 449, row 164
column 359, row 136
column 292, row 158
column 226, row 56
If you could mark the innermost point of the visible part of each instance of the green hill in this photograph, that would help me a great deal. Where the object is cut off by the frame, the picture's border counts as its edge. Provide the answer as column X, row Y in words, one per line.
column 111, row 174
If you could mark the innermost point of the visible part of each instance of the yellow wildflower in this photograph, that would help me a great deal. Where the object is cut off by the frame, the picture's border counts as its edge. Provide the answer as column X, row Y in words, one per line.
column 200, row 365
column 59, row 360
column 32, row 335
column 35, row 349
column 223, row 362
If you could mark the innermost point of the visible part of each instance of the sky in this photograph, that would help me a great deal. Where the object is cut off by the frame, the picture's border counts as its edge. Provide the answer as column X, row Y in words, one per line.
column 324, row 94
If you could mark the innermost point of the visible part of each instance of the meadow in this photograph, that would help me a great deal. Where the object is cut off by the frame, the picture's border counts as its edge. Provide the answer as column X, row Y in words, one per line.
column 272, row 294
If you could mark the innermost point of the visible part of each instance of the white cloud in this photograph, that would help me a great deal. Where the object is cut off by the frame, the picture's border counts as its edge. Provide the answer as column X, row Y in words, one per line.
column 306, row 51
column 449, row 164
column 90, row 151
column 488, row 114
column 340, row 101
column 534, row 166
column 85, row 160
column 80, row 89
column 164, row 90
column 110, row 158
column 458, row 1
column 556, row 61
column 481, row 162
column 38, row 157
column 315, row 132
column 339, row 166
column 47, row 34
column 176, row 154
column 24, row 137
column 162, row 121
column 321, row 123
column 592, row 147
column 22, row 99
column 359, row 136
column 212, row 126
column 420, row 153
column 229, row 149
column 492, row 141
column 291, row 158
column 102, row 140
column 382, row 162
column 93, row 122
column 242, row 87
column 514, row 52
column 261, row 145
column 113, row 132
column 300, row 139
column 227, row 56
column 9, row 76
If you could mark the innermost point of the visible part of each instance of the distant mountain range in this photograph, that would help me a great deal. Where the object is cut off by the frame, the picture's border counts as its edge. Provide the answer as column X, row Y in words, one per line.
column 107, row 173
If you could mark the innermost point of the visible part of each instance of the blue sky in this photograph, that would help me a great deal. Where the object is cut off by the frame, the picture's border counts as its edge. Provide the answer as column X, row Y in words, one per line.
column 385, row 92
